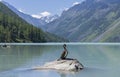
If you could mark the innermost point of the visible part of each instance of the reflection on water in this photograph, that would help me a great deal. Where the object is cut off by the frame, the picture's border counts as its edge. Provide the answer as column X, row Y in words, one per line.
column 99, row 60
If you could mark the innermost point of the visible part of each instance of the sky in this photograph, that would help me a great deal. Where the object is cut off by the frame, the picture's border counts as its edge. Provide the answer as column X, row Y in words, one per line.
column 39, row 8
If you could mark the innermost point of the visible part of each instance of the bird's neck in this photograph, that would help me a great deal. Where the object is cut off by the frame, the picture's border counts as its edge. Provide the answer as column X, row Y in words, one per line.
column 65, row 48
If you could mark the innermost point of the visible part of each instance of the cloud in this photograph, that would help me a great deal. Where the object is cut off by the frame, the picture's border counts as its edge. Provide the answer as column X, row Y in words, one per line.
column 43, row 14
column 75, row 3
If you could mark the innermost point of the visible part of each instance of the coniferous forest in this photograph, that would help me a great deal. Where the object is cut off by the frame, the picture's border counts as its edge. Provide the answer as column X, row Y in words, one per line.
column 15, row 29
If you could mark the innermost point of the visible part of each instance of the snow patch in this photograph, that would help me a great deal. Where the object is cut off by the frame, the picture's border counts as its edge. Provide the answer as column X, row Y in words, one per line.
column 75, row 3
column 40, row 15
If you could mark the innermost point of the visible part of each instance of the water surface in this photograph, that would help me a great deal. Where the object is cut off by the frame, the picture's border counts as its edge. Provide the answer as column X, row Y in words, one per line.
column 100, row 60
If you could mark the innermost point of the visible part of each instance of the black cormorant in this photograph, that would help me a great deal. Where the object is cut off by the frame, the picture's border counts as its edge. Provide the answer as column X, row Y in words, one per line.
column 64, row 53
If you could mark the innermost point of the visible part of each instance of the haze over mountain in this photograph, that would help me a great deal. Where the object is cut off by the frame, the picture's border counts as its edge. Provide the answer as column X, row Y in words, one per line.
column 38, row 22
column 14, row 29
column 90, row 21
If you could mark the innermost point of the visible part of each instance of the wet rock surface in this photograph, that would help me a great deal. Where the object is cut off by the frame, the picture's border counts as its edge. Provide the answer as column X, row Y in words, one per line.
column 65, row 65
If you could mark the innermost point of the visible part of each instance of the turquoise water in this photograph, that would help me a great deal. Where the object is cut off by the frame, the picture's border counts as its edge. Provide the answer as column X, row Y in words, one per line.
column 99, row 60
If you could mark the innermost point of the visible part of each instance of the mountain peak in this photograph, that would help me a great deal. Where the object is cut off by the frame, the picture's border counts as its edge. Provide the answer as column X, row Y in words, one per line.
column 18, row 30
column 89, row 20
column 49, row 18
column 40, row 15
column 45, row 16
column 34, row 19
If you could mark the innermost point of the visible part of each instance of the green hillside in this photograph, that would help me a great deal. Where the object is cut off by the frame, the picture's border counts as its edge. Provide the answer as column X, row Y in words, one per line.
column 112, row 34
column 89, row 21
column 15, row 29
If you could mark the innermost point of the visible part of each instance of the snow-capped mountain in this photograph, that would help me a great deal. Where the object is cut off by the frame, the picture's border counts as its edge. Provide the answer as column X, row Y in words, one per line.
column 89, row 21
column 49, row 19
column 38, row 22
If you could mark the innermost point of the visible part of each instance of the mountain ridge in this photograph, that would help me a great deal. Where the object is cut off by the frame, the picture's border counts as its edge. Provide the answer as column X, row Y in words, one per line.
column 87, row 21
column 14, row 29
column 37, row 22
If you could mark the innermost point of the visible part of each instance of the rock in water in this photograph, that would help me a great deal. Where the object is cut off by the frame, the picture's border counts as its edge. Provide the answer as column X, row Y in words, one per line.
column 65, row 65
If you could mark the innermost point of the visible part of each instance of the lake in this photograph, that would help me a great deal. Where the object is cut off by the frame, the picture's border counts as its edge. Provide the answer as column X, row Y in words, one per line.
column 99, row 59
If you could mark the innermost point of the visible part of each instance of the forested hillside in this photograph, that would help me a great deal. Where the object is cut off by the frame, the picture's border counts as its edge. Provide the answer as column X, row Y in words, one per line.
column 15, row 29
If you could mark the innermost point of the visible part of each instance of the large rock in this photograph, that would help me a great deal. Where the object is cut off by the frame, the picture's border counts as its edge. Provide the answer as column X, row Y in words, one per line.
column 65, row 65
